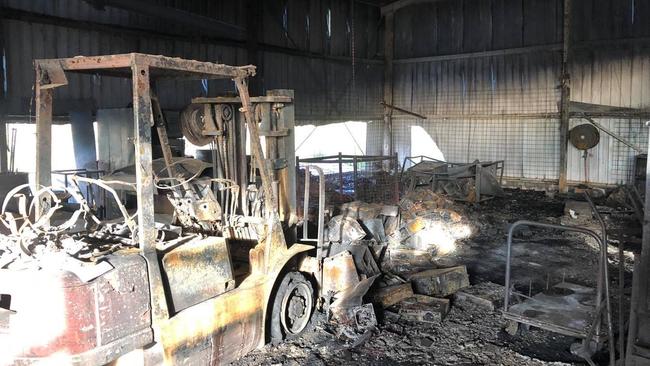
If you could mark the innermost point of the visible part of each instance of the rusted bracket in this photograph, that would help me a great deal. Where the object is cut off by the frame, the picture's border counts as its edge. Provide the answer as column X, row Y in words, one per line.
column 209, row 126
column 51, row 75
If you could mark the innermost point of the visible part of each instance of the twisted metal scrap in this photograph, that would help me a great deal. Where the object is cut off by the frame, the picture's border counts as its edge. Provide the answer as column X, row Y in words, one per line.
column 41, row 225
column 24, row 233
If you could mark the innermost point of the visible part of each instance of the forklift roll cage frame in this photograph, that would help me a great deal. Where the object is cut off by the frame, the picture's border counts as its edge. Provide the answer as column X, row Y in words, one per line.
column 272, row 252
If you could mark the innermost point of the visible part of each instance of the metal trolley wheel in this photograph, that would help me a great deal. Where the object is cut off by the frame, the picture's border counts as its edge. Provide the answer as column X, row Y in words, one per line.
column 292, row 307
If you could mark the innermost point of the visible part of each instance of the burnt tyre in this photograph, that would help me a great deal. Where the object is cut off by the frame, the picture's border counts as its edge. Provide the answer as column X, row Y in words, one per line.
column 292, row 307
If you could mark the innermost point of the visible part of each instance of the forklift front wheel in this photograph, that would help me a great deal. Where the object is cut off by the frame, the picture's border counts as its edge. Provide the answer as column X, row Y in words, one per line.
column 292, row 307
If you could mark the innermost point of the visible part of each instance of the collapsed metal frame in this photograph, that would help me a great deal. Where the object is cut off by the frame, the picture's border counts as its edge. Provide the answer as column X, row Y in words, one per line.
column 141, row 68
column 497, row 165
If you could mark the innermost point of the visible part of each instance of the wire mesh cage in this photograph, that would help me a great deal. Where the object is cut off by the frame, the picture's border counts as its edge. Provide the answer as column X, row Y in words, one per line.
column 372, row 179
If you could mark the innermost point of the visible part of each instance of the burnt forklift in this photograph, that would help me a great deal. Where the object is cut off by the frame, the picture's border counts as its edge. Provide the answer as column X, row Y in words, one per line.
column 226, row 283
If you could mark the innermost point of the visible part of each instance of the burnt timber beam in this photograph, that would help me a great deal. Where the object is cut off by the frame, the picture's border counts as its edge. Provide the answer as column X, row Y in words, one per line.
column 565, row 97
column 552, row 47
column 555, row 47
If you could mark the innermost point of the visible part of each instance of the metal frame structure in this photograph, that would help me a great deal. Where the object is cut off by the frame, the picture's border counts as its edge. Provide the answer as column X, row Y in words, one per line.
column 593, row 331
column 171, row 335
column 50, row 74
column 275, row 111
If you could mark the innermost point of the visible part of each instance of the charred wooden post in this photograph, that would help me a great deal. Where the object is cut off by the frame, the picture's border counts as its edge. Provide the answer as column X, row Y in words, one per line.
column 389, row 42
column 565, row 97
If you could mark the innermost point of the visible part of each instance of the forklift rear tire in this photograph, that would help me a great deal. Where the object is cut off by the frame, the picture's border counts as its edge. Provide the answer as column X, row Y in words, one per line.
column 292, row 307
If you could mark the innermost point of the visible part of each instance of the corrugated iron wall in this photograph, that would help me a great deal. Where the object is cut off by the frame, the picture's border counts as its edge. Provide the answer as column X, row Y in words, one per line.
column 326, row 87
column 505, row 106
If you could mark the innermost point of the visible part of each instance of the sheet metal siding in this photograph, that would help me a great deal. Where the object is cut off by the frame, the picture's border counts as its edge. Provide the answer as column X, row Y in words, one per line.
column 619, row 77
column 458, row 96
column 526, row 83
column 325, row 91
column 324, row 88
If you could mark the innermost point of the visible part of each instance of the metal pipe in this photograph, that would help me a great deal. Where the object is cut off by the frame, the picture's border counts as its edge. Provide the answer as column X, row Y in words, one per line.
column 406, row 111
column 354, row 178
column 614, row 135
column 340, row 175
column 605, row 277
column 305, row 207
column 320, row 237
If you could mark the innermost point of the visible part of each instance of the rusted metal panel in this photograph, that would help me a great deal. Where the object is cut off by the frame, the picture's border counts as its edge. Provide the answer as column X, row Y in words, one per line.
column 84, row 322
column 339, row 273
column 197, row 271
column 319, row 77
column 235, row 321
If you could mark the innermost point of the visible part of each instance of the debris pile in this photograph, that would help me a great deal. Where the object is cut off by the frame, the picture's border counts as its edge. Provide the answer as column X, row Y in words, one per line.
column 466, row 326
column 430, row 226
column 486, row 295
column 384, row 253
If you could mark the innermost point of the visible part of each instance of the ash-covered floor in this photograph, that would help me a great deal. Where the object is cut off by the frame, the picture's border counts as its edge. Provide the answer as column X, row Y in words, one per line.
column 476, row 333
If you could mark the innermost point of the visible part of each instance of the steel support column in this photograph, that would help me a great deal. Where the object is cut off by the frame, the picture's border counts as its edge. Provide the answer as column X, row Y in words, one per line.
column 43, row 171
column 143, row 121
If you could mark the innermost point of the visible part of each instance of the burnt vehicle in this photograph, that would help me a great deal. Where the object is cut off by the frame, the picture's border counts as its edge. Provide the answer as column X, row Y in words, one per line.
column 226, row 275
